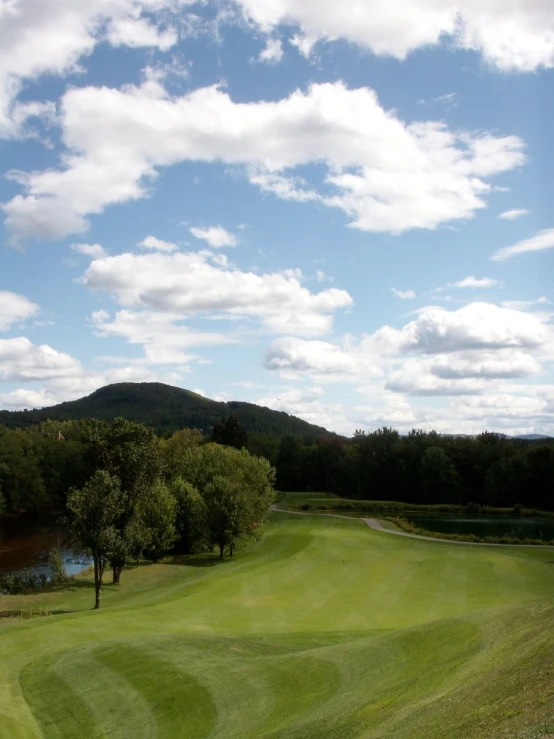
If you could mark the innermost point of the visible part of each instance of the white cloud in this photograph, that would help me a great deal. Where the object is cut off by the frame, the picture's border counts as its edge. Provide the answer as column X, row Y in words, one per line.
column 139, row 32
column 216, row 236
column 475, row 326
column 321, row 276
column 441, row 353
column 403, row 294
column 542, row 240
column 200, row 283
column 26, row 398
column 272, row 53
column 311, row 405
column 154, row 244
column 475, row 282
column 163, row 336
column 89, row 250
column 40, row 37
column 384, row 174
column 50, row 376
column 320, row 358
column 14, row 308
column 20, row 360
column 514, row 36
column 511, row 215
column 461, row 373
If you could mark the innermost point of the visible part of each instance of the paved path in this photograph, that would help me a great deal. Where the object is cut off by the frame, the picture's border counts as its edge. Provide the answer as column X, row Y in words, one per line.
column 375, row 524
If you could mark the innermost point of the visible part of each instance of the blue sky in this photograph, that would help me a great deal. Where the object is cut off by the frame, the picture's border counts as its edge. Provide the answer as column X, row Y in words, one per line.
column 340, row 210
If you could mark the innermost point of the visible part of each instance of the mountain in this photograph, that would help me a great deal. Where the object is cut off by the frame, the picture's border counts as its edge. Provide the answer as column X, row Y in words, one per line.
column 533, row 437
column 166, row 409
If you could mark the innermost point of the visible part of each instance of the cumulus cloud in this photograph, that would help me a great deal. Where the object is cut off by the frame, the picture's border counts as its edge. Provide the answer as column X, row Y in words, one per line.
column 515, row 36
column 163, row 336
column 200, row 283
column 272, row 53
column 384, row 174
column 95, row 251
column 311, row 405
column 475, row 282
column 403, row 294
column 441, row 353
column 49, row 376
column 155, row 244
column 52, row 36
column 475, row 326
column 15, row 308
column 319, row 358
column 511, row 215
column 216, row 236
column 139, row 32
column 20, row 360
column 26, row 398
column 542, row 240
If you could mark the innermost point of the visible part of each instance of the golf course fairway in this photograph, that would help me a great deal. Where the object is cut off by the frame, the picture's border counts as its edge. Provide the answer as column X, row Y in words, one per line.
column 323, row 629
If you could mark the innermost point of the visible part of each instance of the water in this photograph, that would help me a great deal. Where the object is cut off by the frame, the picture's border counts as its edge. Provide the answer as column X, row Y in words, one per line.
column 26, row 542
column 521, row 528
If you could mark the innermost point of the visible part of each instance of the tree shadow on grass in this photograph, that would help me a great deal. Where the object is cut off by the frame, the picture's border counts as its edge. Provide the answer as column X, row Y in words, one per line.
column 195, row 560
column 30, row 614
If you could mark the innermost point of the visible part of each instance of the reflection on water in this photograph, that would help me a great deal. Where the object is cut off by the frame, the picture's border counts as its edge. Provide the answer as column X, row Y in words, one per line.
column 520, row 528
column 27, row 541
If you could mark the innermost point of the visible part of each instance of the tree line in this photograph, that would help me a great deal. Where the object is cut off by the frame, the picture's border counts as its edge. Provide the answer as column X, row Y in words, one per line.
column 39, row 464
column 421, row 467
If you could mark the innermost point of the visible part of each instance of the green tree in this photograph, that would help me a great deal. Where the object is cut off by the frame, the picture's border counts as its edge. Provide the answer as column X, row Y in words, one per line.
column 439, row 479
column 290, row 468
column 190, row 518
column 20, row 474
column 129, row 451
column 248, row 485
column 228, row 515
column 156, row 513
column 173, row 449
column 230, row 432
column 95, row 511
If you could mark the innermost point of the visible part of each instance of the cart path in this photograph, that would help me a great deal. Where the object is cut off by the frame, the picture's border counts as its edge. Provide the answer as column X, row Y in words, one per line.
column 375, row 524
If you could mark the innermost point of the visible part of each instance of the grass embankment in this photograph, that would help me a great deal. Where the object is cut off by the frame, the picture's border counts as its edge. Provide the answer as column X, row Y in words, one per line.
column 325, row 629
column 327, row 502
column 403, row 525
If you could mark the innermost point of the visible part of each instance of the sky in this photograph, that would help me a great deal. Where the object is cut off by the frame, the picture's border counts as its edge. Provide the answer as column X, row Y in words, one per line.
column 339, row 210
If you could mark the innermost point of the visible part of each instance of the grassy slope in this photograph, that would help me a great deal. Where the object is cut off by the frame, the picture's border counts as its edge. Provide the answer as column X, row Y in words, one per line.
column 324, row 629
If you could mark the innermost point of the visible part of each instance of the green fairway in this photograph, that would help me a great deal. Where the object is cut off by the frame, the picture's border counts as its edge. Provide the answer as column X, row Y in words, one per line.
column 324, row 628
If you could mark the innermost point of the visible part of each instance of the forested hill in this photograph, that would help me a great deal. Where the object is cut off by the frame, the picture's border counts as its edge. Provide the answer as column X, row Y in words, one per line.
column 166, row 409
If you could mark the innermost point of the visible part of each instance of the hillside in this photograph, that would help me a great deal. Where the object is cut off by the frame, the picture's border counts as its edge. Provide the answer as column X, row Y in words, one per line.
column 166, row 409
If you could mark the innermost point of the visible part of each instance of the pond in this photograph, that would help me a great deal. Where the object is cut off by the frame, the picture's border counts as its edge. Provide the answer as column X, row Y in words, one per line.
column 26, row 542
column 521, row 528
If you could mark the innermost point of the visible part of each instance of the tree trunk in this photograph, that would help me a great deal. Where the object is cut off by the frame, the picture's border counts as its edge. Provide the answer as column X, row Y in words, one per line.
column 221, row 548
column 116, row 571
column 97, row 584
column 231, row 549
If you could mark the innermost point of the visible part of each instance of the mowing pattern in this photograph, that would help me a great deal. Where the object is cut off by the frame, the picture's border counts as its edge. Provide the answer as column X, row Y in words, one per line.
column 325, row 629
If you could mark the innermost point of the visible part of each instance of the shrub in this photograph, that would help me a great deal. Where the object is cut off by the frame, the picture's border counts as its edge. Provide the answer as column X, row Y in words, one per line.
column 25, row 581
column 56, row 567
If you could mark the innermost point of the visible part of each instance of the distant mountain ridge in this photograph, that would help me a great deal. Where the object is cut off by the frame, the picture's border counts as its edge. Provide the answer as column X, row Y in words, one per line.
column 166, row 409
column 533, row 437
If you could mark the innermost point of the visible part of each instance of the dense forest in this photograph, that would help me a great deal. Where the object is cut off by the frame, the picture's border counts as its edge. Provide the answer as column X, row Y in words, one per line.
column 422, row 468
column 165, row 409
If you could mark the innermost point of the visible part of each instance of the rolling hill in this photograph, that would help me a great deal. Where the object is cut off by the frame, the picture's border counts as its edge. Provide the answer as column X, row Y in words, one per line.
column 166, row 409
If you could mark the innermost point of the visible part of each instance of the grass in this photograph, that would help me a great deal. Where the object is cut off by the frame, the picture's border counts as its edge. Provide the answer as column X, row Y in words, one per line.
column 324, row 629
